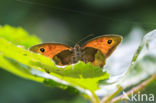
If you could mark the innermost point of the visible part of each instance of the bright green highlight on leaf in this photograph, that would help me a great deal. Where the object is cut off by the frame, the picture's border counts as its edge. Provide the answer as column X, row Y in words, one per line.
column 17, row 60
column 18, row 36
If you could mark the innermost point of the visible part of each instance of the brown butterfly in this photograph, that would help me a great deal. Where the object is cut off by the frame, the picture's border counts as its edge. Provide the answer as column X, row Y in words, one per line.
column 94, row 51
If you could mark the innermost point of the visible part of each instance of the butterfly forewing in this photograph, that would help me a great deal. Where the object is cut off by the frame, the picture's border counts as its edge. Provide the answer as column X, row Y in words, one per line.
column 106, row 44
column 49, row 49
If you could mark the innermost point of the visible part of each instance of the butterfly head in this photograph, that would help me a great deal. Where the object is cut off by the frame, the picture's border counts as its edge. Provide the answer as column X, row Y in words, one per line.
column 76, row 47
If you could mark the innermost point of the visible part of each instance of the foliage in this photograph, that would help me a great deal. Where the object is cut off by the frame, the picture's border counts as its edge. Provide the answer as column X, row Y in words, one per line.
column 80, row 78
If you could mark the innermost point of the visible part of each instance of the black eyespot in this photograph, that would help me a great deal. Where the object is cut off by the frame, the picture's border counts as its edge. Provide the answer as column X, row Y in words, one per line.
column 109, row 41
column 42, row 50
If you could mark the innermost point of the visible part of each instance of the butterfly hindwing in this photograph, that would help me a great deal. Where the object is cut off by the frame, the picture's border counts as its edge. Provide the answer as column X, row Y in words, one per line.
column 64, row 58
column 94, row 56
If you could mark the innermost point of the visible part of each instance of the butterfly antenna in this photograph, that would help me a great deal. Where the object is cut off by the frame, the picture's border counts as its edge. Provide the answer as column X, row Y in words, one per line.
column 71, row 42
column 84, row 38
column 30, row 2
column 85, row 13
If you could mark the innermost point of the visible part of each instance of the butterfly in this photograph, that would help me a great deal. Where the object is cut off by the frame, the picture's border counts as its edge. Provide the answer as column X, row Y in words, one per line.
column 95, row 51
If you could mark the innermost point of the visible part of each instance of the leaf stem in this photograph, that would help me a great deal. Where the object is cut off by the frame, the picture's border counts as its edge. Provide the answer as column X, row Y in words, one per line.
column 135, row 89
column 93, row 97
column 109, row 98
column 129, row 93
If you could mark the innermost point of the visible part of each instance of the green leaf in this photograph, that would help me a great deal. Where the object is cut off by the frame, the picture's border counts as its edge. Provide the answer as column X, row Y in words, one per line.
column 81, row 77
column 143, row 63
column 140, row 67
column 18, row 36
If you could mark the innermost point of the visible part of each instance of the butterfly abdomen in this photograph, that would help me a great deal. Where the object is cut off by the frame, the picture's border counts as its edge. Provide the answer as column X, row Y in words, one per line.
column 77, row 53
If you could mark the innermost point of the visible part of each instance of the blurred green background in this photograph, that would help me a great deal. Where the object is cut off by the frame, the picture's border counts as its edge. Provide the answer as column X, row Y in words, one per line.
column 67, row 22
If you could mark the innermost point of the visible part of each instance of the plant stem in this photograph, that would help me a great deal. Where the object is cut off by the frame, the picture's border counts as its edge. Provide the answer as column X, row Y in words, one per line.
column 135, row 89
column 129, row 93
column 109, row 98
column 94, row 98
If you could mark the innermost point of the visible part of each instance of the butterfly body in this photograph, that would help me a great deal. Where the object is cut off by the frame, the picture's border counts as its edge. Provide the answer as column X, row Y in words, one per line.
column 77, row 52
column 94, row 51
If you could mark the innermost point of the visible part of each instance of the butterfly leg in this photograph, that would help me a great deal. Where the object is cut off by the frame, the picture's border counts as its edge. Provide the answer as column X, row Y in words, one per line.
column 85, row 60
column 73, row 59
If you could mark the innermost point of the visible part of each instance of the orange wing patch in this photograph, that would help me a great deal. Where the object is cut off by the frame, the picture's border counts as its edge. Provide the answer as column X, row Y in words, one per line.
column 106, row 44
column 49, row 49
